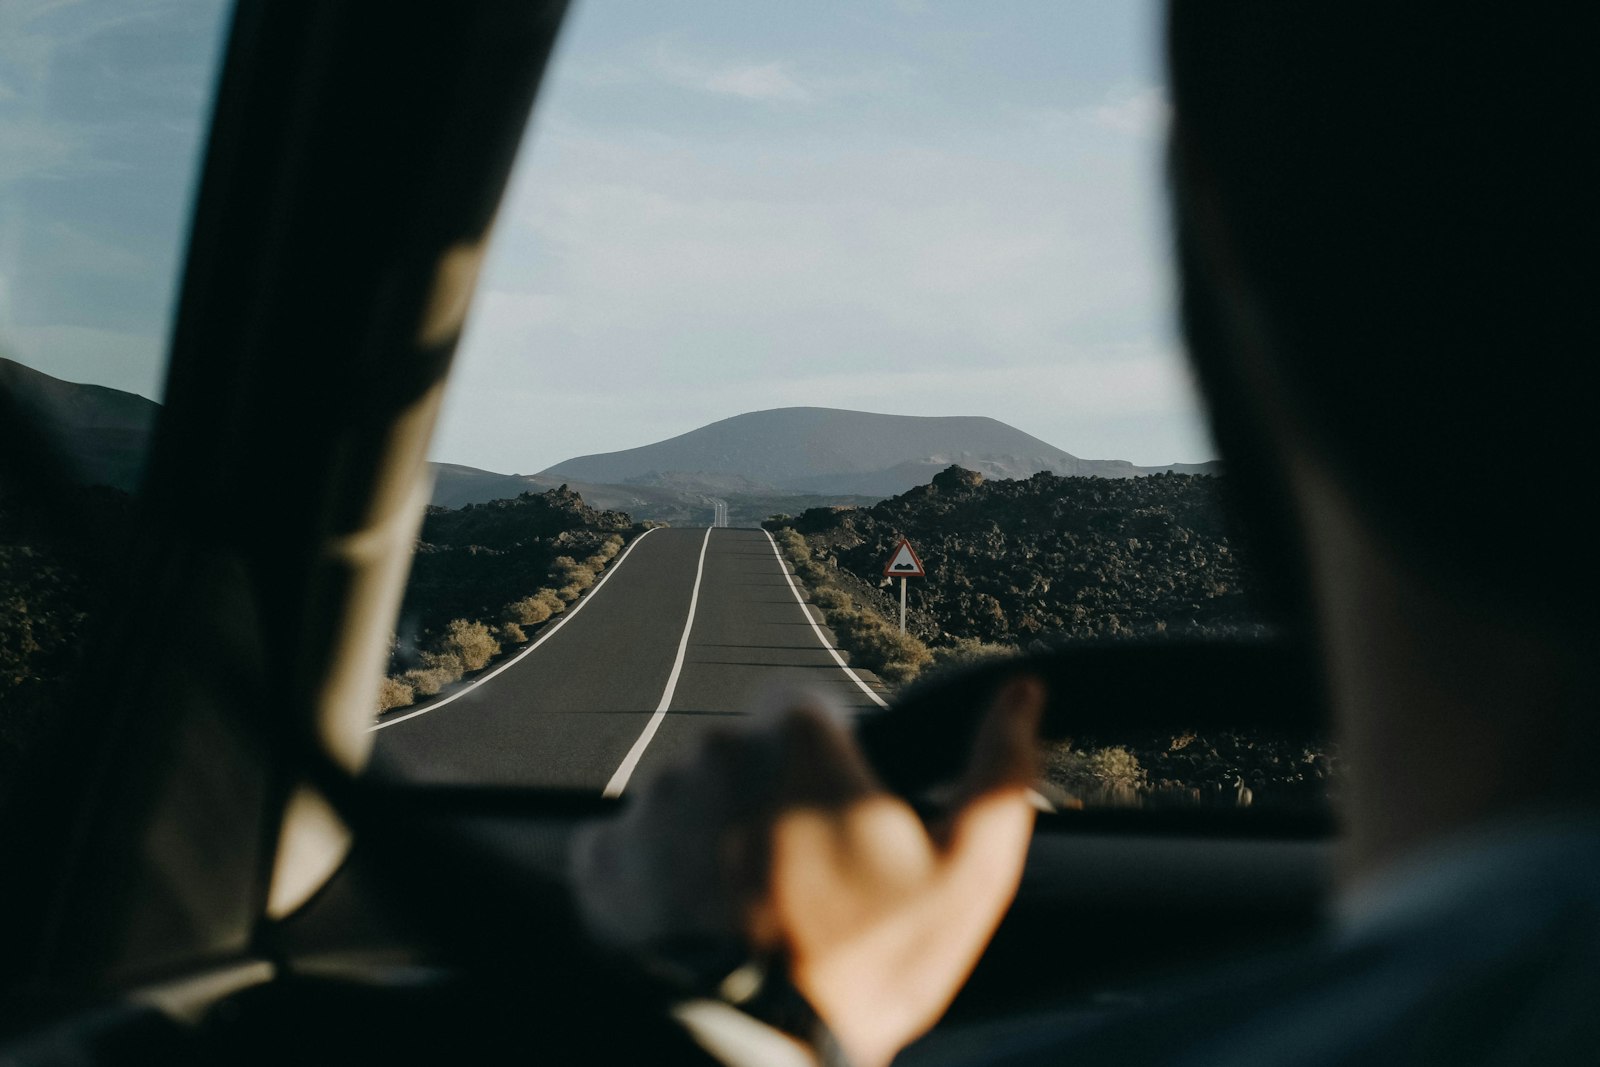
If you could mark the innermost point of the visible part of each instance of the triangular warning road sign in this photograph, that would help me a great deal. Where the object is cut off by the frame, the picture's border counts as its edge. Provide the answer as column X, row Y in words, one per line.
column 904, row 563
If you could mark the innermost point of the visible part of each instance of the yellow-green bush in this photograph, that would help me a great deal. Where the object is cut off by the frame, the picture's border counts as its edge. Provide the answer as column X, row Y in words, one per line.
column 830, row 598
column 394, row 693
column 532, row 610
column 607, row 552
column 878, row 644
column 1097, row 776
column 448, row 662
column 469, row 646
column 471, row 642
column 571, row 577
column 793, row 545
column 426, row 681
column 872, row 641
column 967, row 650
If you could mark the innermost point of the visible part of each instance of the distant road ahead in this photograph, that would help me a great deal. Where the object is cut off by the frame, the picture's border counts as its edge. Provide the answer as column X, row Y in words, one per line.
column 622, row 686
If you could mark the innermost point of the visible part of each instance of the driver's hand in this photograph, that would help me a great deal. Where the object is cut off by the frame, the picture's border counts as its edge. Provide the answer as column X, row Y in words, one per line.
column 781, row 834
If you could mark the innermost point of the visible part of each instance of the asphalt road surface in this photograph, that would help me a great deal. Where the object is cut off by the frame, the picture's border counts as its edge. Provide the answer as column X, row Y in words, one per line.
column 628, row 680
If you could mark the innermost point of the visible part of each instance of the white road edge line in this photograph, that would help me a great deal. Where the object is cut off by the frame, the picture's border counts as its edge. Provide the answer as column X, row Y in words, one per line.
column 547, row 635
column 619, row 781
column 822, row 638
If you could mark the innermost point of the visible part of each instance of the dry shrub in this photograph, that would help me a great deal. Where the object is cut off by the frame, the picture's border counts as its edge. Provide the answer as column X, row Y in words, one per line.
column 830, row 598
column 607, row 552
column 426, row 681
column 448, row 662
column 394, row 693
column 793, row 545
column 568, row 571
column 812, row 572
column 526, row 612
column 510, row 631
column 471, row 643
column 872, row 641
column 1097, row 776
column 969, row 650
column 572, row 577
column 532, row 610
column 895, row 656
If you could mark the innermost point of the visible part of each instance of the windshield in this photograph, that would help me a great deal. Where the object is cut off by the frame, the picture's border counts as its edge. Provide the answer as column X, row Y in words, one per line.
column 802, row 287
column 775, row 301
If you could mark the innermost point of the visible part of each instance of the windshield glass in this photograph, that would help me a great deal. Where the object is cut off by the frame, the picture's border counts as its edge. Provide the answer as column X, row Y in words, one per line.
column 801, row 285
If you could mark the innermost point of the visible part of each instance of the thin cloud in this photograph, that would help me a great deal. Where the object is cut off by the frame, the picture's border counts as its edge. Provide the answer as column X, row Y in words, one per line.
column 775, row 81
column 768, row 81
column 1142, row 113
column 748, row 81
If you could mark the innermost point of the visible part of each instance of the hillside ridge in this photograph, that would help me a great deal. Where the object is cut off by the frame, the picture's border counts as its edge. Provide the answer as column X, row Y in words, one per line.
column 836, row 450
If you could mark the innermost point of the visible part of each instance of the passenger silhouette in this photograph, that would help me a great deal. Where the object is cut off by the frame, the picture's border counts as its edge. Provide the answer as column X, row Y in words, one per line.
column 1384, row 224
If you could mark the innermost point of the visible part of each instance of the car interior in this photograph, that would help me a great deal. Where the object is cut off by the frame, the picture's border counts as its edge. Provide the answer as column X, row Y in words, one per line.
column 205, row 874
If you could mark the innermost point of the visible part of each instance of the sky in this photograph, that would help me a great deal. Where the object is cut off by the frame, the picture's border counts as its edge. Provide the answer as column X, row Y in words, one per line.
column 103, row 107
column 923, row 207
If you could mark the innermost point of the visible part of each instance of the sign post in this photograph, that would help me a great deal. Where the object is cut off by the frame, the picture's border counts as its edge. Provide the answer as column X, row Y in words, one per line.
column 904, row 564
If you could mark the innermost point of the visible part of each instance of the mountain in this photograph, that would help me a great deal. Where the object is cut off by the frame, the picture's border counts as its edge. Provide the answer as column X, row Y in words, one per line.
column 759, row 464
column 830, row 450
column 102, row 433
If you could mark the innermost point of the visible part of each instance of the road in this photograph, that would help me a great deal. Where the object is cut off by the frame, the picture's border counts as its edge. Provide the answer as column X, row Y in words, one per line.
column 629, row 680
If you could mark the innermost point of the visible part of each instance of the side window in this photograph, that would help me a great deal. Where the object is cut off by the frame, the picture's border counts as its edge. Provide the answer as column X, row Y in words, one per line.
column 102, row 116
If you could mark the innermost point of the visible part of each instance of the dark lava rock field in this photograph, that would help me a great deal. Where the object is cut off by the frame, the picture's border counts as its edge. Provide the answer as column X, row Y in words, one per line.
column 1050, row 558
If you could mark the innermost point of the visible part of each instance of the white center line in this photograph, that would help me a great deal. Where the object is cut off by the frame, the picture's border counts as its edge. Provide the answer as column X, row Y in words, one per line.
column 619, row 781
column 854, row 677
column 513, row 661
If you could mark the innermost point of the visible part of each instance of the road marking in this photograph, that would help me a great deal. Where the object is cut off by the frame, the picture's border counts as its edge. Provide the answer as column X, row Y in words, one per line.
column 854, row 677
column 547, row 635
column 619, row 781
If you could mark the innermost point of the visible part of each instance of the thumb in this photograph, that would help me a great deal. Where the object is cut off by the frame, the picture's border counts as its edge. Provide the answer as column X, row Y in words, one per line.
column 1005, row 751
column 986, row 838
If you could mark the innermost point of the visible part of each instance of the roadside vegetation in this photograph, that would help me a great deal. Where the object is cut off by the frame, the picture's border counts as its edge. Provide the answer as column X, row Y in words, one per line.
column 1015, row 564
column 1043, row 562
column 1227, row 768
column 521, row 530
column 874, row 641
column 465, row 646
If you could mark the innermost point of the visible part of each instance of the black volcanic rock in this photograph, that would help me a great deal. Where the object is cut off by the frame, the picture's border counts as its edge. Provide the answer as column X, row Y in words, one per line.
column 1051, row 558
column 956, row 478
column 470, row 561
